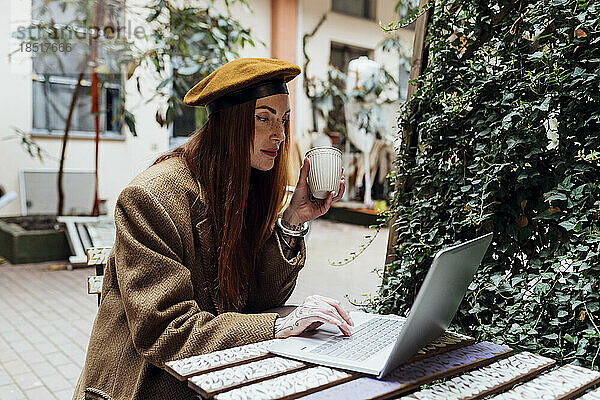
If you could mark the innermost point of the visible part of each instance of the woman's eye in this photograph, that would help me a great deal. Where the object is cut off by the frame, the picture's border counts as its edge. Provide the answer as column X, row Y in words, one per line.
column 262, row 119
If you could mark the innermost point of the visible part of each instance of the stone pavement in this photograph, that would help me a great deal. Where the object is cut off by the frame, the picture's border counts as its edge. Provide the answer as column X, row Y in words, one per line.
column 46, row 314
column 45, row 321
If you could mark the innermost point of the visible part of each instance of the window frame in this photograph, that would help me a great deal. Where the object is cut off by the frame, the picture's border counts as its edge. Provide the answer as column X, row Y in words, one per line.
column 332, row 44
column 177, row 140
column 59, row 79
column 371, row 6
column 69, row 81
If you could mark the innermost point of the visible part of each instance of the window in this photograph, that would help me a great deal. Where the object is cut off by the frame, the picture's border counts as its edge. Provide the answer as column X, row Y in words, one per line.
column 55, row 72
column 339, row 58
column 191, row 119
column 187, row 119
column 52, row 98
column 185, row 123
column 355, row 8
column 342, row 54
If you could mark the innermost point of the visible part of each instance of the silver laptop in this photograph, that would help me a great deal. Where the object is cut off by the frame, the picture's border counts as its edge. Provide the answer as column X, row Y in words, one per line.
column 379, row 343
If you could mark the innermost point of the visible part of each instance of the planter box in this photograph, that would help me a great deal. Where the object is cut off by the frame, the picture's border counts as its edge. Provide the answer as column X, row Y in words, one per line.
column 351, row 215
column 31, row 239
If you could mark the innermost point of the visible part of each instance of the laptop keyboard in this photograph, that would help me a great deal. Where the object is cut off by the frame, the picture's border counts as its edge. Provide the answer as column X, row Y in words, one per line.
column 366, row 340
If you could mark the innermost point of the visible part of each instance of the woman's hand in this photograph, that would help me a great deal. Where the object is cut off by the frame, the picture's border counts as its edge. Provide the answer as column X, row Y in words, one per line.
column 303, row 206
column 314, row 312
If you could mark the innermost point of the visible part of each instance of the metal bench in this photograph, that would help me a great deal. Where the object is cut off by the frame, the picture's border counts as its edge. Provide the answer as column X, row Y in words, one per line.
column 85, row 233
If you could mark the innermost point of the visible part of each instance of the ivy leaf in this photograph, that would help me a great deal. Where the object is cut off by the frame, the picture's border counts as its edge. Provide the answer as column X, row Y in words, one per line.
column 536, row 55
column 129, row 119
column 188, row 70
column 568, row 338
column 496, row 279
column 544, row 106
column 581, row 346
column 568, row 225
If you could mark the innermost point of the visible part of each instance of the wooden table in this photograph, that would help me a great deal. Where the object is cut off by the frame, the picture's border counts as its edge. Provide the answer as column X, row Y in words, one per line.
column 452, row 367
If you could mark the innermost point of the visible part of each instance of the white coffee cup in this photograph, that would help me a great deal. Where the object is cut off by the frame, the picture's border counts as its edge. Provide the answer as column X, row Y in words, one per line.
column 325, row 170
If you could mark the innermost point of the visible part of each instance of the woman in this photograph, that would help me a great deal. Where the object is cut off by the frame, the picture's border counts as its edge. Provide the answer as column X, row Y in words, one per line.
column 201, row 252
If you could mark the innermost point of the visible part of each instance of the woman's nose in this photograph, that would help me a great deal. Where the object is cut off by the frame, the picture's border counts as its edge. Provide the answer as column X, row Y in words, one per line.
column 279, row 132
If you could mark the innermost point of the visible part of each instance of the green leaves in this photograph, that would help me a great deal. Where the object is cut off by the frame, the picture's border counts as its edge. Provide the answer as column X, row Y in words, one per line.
column 544, row 106
column 568, row 225
column 190, row 43
column 484, row 164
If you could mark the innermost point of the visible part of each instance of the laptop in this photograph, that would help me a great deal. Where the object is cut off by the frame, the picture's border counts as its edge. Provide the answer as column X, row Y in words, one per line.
column 379, row 343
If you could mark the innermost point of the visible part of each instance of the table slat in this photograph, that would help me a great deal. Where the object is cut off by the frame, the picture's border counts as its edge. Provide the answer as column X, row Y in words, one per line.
column 222, row 380
column 593, row 395
column 195, row 365
column 412, row 375
column 487, row 380
column 446, row 342
column 187, row 367
column 562, row 383
column 290, row 386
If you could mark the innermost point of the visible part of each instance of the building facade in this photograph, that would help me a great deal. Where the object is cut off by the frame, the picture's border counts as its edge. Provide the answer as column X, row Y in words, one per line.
column 351, row 28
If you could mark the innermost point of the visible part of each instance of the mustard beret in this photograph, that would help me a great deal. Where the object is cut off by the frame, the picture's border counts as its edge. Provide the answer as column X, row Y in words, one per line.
column 241, row 80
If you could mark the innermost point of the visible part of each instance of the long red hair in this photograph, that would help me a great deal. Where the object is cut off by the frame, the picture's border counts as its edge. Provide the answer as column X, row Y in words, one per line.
column 242, row 203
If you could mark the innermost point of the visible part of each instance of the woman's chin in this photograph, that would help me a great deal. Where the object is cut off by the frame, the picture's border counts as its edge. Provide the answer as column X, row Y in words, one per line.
column 264, row 166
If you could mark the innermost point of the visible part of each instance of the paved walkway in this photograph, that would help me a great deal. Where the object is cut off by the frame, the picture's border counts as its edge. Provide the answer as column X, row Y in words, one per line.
column 46, row 315
column 45, row 321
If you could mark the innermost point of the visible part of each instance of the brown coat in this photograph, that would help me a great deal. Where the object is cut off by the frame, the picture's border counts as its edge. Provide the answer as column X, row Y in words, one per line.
column 160, row 299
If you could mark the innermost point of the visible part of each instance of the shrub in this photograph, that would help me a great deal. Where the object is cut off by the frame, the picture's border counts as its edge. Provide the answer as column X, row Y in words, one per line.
column 508, row 120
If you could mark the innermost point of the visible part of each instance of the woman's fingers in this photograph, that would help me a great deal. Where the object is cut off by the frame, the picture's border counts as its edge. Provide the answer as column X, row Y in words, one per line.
column 304, row 170
column 331, row 311
column 315, row 311
column 328, row 202
column 322, row 316
column 320, row 206
column 340, row 310
column 313, row 326
column 337, row 306
column 341, row 191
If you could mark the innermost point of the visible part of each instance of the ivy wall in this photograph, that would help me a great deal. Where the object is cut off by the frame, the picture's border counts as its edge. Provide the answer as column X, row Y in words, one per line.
column 508, row 122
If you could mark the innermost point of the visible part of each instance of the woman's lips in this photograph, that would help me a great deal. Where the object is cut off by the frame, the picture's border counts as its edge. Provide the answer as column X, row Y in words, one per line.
column 270, row 153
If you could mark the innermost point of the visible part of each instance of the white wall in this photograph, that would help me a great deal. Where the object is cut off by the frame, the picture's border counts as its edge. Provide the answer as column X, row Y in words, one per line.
column 343, row 29
column 259, row 21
